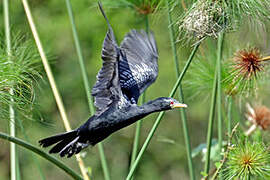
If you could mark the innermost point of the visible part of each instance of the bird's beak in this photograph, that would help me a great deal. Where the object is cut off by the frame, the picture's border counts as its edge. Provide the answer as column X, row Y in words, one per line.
column 179, row 105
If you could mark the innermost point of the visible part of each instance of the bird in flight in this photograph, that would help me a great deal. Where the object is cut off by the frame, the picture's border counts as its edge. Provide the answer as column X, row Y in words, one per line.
column 127, row 71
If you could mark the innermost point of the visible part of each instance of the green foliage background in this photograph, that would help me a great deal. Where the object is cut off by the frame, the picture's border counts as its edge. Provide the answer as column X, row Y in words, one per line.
column 165, row 158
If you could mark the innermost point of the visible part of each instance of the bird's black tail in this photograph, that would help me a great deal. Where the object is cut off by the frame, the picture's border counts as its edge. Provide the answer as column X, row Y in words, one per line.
column 67, row 143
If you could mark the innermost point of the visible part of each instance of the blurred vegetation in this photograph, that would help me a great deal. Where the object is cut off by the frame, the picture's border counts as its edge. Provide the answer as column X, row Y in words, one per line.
column 165, row 158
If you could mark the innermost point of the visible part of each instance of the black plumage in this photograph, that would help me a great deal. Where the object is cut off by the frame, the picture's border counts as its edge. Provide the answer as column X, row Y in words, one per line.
column 127, row 71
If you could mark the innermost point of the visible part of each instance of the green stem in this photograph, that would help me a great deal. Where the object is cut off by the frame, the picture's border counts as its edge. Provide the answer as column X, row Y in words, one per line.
column 136, row 142
column 137, row 136
column 13, row 154
column 18, row 170
column 219, row 98
column 229, row 125
column 182, row 110
column 161, row 114
column 139, row 123
column 80, row 58
column 86, row 86
column 39, row 152
column 212, row 110
column 210, row 126
column 103, row 162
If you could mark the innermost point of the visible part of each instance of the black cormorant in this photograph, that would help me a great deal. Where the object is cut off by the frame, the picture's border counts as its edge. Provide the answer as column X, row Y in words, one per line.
column 127, row 71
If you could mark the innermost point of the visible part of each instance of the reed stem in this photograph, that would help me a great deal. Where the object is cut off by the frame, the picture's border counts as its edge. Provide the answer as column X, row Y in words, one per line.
column 80, row 58
column 104, row 163
column 210, row 124
column 39, row 152
column 139, row 123
column 181, row 96
column 161, row 114
column 229, row 115
column 215, row 97
column 50, row 76
column 13, row 154
column 219, row 92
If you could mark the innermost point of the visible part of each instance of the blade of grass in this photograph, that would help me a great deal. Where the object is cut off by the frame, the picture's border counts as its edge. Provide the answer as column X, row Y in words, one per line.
column 104, row 163
column 215, row 97
column 139, row 123
column 50, row 76
column 39, row 152
column 13, row 154
column 161, row 114
column 181, row 96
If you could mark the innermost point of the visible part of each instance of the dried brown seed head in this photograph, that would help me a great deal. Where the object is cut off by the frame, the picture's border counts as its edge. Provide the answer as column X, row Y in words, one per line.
column 248, row 62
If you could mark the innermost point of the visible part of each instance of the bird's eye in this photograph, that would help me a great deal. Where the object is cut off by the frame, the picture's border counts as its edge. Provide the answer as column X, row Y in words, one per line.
column 171, row 103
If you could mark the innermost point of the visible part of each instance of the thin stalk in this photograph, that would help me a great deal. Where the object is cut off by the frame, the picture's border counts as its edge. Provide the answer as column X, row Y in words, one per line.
column 161, row 114
column 18, row 171
column 39, row 152
column 216, row 96
column 80, row 58
column 182, row 110
column 211, row 122
column 13, row 154
column 50, row 76
column 139, row 123
column 104, row 163
column 136, row 142
column 219, row 95
column 229, row 115
column 267, row 58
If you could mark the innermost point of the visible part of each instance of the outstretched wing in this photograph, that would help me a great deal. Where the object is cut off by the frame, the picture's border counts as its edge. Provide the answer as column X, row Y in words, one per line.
column 107, row 87
column 138, row 66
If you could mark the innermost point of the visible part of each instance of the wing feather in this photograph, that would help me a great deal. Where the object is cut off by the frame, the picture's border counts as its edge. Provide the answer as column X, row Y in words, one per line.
column 107, row 87
column 140, row 51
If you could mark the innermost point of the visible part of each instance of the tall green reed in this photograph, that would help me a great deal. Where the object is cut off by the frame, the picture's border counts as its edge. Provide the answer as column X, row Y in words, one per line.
column 139, row 123
column 219, row 90
column 229, row 114
column 215, row 99
column 86, row 85
column 181, row 96
column 13, row 155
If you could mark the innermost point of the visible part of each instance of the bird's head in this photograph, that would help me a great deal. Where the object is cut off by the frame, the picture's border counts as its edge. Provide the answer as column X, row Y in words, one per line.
column 165, row 103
